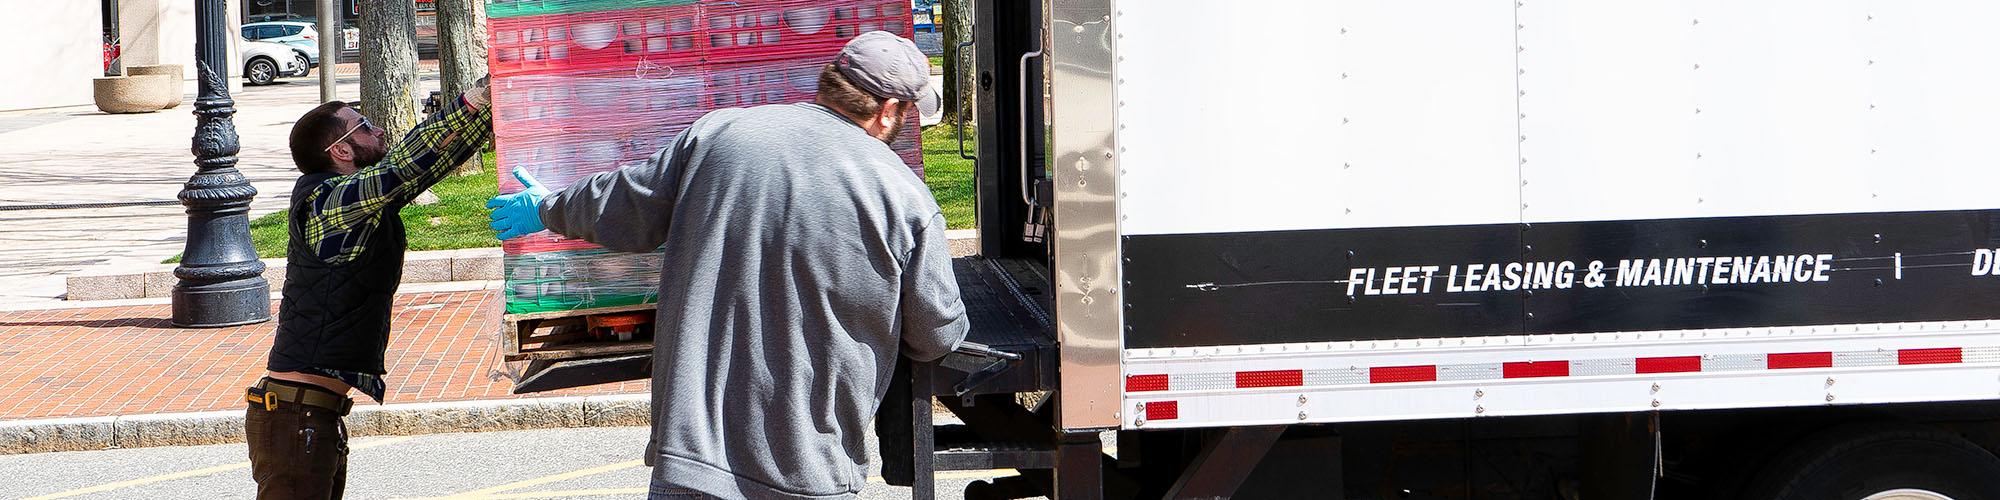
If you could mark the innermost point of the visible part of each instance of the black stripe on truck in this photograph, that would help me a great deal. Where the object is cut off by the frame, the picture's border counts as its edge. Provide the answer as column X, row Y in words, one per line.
column 1186, row 290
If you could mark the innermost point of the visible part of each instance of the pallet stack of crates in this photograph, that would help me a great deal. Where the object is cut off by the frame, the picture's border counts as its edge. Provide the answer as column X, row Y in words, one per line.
column 587, row 86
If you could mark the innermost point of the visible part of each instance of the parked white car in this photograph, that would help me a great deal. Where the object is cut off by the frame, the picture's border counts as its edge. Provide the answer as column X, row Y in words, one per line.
column 265, row 62
column 302, row 35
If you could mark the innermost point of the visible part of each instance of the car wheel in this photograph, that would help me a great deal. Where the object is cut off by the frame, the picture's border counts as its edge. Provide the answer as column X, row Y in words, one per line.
column 305, row 65
column 260, row 71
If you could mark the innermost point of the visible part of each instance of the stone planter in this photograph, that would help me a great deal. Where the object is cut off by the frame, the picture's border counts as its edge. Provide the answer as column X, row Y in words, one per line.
column 177, row 72
column 134, row 94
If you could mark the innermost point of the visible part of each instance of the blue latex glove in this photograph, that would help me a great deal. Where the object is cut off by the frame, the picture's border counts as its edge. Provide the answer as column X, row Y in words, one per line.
column 519, row 214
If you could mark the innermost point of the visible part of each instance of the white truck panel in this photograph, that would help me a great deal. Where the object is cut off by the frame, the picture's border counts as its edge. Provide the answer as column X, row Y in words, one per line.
column 1234, row 119
column 1606, row 95
column 1631, row 131
column 1934, row 80
column 1804, row 107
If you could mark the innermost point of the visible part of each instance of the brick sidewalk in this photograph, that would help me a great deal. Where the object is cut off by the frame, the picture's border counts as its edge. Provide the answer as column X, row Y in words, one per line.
column 130, row 361
column 354, row 68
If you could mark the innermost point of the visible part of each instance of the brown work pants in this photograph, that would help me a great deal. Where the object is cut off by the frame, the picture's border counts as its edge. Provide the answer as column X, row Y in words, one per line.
column 296, row 451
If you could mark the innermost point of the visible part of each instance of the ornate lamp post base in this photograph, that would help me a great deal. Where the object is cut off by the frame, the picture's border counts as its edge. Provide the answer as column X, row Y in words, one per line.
column 216, row 305
column 221, row 280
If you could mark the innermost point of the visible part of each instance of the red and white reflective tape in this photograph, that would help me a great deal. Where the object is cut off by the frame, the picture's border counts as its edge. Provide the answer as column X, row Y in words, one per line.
column 1259, row 379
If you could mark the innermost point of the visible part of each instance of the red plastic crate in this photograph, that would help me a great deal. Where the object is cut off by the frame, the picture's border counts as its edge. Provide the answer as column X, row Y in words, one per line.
column 530, row 106
column 723, row 32
column 579, row 94
column 622, row 39
column 785, row 29
column 743, row 85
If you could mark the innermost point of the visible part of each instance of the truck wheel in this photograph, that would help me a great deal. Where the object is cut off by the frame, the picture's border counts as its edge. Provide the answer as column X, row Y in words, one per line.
column 1880, row 462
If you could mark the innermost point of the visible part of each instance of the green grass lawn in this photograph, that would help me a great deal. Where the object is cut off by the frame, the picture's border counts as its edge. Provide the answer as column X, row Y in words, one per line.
column 459, row 220
column 949, row 176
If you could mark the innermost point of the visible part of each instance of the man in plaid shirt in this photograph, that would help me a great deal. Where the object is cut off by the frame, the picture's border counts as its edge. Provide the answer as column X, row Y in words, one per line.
column 344, row 263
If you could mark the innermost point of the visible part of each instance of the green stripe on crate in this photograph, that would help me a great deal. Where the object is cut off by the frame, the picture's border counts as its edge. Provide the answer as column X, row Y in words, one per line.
column 546, row 7
column 515, row 306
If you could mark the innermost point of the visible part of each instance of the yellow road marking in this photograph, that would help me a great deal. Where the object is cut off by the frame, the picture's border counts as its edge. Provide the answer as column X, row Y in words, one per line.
column 964, row 474
column 977, row 475
column 970, row 474
column 489, row 492
column 572, row 493
column 494, row 493
column 192, row 473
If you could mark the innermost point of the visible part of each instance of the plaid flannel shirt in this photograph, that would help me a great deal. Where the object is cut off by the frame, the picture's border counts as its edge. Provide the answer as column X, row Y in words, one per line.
column 344, row 213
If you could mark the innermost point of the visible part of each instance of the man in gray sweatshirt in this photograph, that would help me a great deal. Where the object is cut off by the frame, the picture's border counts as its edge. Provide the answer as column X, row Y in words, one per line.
column 801, row 258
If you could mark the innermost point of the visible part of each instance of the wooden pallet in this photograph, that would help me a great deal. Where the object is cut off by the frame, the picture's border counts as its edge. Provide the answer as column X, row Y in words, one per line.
column 564, row 335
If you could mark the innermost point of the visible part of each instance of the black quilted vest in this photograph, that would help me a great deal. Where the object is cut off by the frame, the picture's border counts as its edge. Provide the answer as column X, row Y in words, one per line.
column 337, row 316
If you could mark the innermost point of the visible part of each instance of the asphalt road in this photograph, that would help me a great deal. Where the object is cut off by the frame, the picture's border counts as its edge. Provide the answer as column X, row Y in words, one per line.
column 598, row 463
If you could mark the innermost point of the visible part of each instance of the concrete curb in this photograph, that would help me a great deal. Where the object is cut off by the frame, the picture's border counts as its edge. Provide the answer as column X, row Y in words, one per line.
column 963, row 242
column 218, row 427
column 471, row 264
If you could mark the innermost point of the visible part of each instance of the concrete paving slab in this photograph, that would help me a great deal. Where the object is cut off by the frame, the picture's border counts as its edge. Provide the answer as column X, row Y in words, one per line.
column 90, row 191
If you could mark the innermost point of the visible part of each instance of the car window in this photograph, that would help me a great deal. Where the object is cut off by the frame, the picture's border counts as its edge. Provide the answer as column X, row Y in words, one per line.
column 266, row 32
column 293, row 30
column 250, row 32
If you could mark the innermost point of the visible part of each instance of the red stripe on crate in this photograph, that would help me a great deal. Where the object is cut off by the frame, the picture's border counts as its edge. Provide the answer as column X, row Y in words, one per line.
column 1668, row 364
column 1145, row 383
column 1930, row 356
column 1270, row 378
column 1790, row 360
column 1395, row 374
column 1163, row 410
column 1534, row 369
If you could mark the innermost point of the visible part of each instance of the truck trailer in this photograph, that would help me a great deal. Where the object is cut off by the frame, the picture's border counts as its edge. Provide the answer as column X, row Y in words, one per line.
column 1517, row 249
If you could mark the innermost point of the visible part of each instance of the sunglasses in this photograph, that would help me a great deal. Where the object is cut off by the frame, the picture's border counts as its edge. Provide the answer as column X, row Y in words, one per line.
column 350, row 132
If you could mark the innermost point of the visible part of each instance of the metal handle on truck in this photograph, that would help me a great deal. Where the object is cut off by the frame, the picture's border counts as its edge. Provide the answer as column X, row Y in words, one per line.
column 958, row 56
column 997, row 361
column 1027, row 193
column 971, row 348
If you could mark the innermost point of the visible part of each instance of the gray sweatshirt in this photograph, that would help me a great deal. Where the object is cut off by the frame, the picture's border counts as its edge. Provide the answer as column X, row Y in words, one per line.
column 801, row 256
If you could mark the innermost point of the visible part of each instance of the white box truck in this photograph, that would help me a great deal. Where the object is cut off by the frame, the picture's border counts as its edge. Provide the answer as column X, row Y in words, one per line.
column 1471, row 249
column 1374, row 249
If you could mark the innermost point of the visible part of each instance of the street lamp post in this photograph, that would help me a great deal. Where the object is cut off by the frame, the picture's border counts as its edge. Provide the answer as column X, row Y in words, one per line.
column 221, row 280
column 330, row 35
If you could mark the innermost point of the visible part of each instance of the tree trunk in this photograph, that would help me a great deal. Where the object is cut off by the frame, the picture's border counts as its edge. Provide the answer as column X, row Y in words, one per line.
column 956, row 30
column 461, row 44
column 461, row 52
column 389, row 65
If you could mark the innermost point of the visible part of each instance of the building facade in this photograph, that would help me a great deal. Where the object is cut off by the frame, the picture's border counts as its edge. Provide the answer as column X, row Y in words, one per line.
column 66, row 44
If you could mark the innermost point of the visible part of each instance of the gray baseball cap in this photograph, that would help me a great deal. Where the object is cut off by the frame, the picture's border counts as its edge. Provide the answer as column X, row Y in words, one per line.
column 886, row 65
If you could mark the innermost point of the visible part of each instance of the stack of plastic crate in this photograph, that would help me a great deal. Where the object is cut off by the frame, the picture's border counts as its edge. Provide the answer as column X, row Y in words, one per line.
column 587, row 86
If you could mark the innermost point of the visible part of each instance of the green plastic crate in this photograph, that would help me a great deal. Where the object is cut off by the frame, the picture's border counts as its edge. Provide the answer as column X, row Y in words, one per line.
column 547, row 304
column 546, row 7
column 568, row 280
